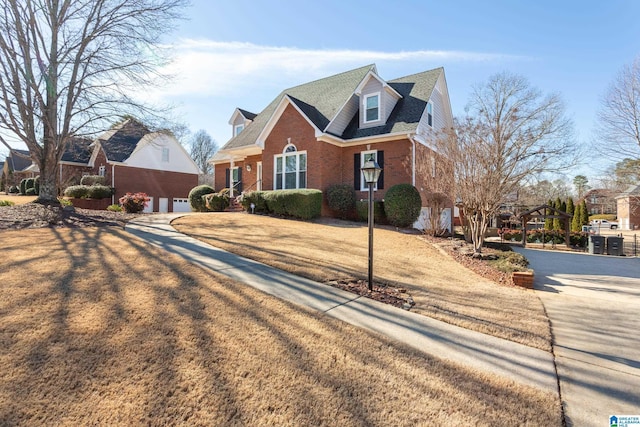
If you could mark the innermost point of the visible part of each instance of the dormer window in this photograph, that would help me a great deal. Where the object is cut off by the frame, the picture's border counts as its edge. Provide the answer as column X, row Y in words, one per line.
column 237, row 129
column 372, row 108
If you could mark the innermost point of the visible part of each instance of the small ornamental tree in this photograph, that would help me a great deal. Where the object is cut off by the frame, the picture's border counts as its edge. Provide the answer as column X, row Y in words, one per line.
column 134, row 202
column 576, row 224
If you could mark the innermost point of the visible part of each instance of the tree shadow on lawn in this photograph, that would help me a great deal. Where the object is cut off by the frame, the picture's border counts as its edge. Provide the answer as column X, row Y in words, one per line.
column 117, row 331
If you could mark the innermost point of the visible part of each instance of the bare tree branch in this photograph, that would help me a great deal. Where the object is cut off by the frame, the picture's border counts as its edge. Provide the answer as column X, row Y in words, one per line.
column 68, row 67
column 511, row 133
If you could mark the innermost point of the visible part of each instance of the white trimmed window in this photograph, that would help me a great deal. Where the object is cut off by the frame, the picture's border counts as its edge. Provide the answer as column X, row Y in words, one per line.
column 365, row 156
column 237, row 129
column 102, row 170
column 372, row 108
column 430, row 113
column 290, row 169
column 165, row 154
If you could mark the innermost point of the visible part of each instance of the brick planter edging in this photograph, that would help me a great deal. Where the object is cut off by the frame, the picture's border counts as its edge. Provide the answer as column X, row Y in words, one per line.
column 93, row 204
column 523, row 279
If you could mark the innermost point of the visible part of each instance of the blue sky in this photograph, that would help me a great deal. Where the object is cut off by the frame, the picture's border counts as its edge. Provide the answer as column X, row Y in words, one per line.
column 242, row 54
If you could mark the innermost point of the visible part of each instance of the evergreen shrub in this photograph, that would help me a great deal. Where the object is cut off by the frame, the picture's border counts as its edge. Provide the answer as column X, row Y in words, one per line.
column 402, row 205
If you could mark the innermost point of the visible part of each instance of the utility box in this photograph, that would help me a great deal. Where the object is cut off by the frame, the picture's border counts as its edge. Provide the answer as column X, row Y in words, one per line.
column 596, row 244
column 615, row 245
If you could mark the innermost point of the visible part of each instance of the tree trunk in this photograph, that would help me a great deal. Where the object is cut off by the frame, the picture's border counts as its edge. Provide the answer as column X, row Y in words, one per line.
column 48, row 178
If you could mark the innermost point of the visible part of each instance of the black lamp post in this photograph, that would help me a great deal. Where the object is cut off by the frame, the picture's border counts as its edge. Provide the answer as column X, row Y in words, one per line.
column 371, row 171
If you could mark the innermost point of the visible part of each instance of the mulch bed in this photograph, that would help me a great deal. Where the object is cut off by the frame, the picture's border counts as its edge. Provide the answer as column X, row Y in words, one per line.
column 398, row 297
column 36, row 215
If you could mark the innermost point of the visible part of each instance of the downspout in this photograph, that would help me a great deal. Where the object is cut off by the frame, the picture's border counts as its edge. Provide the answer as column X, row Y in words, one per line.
column 113, row 184
column 413, row 159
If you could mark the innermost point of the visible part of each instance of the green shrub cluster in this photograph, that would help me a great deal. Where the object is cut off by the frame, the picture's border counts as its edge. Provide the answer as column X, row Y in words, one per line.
column 576, row 238
column 14, row 190
column 341, row 198
column 257, row 198
column 31, row 192
column 303, row 203
column 6, row 203
column 115, row 208
column 88, row 191
column 23, row 186
column 362, row 211
column 216, row 202
column 196, row 200
column 92, row 180
column 36, row 184
column 402, row 205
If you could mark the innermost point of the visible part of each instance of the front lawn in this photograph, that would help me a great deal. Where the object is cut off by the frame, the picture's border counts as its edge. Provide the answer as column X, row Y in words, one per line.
column 98, row 328
column 330, row 249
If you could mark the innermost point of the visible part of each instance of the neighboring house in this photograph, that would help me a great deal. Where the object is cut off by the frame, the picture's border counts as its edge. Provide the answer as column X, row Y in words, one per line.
column 134, row 159
column 629, row 208
column 600, row 201
column 17, row 166
column 321, row 133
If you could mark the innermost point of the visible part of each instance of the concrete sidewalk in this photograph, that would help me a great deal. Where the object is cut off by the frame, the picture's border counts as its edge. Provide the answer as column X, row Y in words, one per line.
column 485, row 353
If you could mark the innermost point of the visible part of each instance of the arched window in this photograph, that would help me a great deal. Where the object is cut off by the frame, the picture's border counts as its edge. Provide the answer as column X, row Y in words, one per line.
column 290, row 169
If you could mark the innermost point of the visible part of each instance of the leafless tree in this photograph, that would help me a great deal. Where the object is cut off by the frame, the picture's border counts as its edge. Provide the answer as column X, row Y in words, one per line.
column 511, row 132
column 203, row 147
column 620, row 113
column 67, row 67
column 434, row 178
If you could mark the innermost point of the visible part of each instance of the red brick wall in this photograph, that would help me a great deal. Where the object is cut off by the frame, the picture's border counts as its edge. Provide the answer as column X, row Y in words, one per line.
column 328, row 164
column 157, row 184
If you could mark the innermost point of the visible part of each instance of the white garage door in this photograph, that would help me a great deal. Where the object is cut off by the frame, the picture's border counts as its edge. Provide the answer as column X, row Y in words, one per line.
column 181, row 205
column 149, row 207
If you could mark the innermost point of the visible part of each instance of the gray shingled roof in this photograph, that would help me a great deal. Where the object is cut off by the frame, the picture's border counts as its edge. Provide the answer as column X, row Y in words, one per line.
column 77, row 151
column 320, row 100
column 416, row 90
column 17, row 162
column 632, row 190
column 247, row 114
column 120, row 142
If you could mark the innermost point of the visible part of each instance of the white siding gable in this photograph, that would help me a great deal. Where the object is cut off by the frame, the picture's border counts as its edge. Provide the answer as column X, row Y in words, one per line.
column 441, row 111
column 160, row 151
column 388, row 100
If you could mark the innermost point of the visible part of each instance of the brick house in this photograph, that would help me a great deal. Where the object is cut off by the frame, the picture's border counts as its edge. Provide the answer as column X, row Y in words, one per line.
column 134, row 159
column 17, row 166
column 629, row 208
column 321, row 133
column 600, row 201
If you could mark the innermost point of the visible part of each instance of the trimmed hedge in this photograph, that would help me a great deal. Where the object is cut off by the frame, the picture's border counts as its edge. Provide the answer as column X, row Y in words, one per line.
column 36, row 184
column 341, row 198
column 99, row 192
column 23, row 186
column 92, row 180
column 31, row 192
column 362, row 211
column 303, row 203
column 196, row 201
column 216, row 202
column 402, row 205
column 30, row 184
column 88, row 192
column 14, row 190
column 257, row 198
column 76, row 191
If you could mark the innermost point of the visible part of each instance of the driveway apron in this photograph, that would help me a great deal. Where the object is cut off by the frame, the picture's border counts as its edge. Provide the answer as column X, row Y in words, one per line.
column 593, row 302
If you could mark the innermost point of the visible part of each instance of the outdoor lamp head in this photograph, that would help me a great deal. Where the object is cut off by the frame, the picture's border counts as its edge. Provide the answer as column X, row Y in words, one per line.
column 371, row 171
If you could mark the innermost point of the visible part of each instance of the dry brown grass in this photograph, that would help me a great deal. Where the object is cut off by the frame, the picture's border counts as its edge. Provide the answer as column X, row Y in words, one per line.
column 97, row 327
column 18, row 200
column 329, row 249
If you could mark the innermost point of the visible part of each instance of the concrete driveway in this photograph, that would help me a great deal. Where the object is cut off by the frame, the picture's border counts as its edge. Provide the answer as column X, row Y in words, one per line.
column 593, row 302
